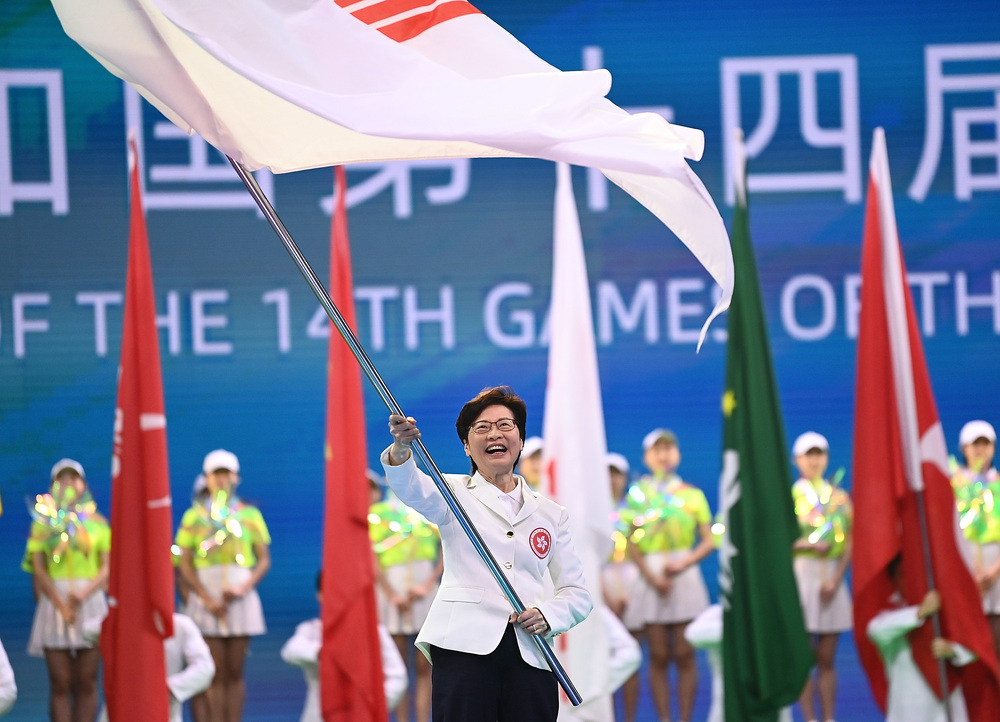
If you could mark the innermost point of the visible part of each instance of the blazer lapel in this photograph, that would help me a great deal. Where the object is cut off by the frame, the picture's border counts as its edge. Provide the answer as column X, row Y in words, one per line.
column 488, row 495
column 530, row 503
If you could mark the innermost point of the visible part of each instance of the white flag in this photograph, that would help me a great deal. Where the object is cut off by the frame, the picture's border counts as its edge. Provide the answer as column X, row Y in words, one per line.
column 294, row 84
column 575, row 470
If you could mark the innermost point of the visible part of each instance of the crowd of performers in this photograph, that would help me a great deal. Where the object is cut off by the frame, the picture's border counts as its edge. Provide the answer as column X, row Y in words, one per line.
column 652, row 584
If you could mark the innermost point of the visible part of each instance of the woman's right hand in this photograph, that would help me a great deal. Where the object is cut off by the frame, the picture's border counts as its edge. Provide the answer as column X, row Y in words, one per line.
column 68, row 612
column 404, row 432
column 216, row 607
column 662, row 583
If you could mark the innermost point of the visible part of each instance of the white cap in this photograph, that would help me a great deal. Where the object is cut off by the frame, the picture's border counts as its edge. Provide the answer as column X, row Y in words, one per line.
column 657, row 435
column 617, row 461
column 808, row 441
column 200, row 485
column 67, row 464
column 532, row 445
column 221, row 459
column 978, row 429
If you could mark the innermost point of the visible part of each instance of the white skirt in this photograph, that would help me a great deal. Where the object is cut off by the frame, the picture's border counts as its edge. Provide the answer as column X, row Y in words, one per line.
column 687, row 598
column 621, row 582
column 986, row 556
column 245, row 616
column 50, row 631
column 402, row 577
column 835, row 617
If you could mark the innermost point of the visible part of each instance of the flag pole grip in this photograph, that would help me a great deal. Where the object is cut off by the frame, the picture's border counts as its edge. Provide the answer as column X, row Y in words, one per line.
column 419, row 450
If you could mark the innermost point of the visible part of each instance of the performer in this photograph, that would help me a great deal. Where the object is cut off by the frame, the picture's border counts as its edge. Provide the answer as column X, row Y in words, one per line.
column 671, row 516
column 408, row 567
column 910, row 698
column 977, row 489
column 485, row 666
column 302, row 650
column 705, row 632
column 822, row 556
column 8, row 688
column 620, row 575
column 189, row 665
column 224, row 555
column 530, row 466
column 69, row 547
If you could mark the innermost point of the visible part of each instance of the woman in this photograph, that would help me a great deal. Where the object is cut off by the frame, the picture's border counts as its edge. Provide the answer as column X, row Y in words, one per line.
column 224, row 555
column 822, row 555
column 976, row 486
column 486, row 668
column 671, row 536
column 68, row 548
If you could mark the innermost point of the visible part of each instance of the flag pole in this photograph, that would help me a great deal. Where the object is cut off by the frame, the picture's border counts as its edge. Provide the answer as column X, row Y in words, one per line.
column 931, row 585
column 383, row 391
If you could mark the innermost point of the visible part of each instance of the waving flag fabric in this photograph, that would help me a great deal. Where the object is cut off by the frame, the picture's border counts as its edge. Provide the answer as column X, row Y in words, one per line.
column 141, row 581
column 350, row 665
column 899, row 452
column 390, row 80
column 765, row 649
column 575, row 470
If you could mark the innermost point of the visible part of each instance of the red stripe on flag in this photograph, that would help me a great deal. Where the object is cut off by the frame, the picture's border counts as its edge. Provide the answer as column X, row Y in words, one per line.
column 412, row 26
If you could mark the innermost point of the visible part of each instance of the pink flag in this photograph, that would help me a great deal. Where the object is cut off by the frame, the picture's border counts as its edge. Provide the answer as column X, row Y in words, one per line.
column 573, row 457
column 390, row 80
column 350, row 663
column 141, row 582
column 899, row 452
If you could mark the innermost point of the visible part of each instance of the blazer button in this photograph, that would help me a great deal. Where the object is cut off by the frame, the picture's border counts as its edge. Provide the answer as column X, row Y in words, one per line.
column 507, row 565
column 510, row 534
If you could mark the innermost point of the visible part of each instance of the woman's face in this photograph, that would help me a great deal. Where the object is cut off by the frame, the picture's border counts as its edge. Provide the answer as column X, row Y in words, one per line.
column 662, row 457
column 979, row 454
column 220, row 480
column 494, row 451
column 69, row 479
column 812, row 464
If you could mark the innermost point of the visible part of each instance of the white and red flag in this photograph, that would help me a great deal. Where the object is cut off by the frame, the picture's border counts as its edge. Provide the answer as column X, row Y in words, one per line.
column 377, row 80
column 900, row 453
column 350, row 663
column 141, row 581
column 575, row 470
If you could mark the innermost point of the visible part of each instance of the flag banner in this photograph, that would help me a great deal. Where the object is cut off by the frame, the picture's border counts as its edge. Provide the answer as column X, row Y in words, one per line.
column 899, row 452
column 350, row 663
column 254, row 77
column 765, row 649
column 141, row 571
column 575, row 471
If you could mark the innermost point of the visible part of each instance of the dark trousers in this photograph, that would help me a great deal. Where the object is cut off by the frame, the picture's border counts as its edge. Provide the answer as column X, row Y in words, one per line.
column 496, row 687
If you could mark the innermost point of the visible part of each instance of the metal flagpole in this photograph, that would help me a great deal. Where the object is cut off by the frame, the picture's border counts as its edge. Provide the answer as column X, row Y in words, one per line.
column 383, row 391
column 931, row 585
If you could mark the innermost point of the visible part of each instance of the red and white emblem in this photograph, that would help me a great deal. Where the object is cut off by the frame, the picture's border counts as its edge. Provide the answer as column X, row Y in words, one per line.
column 541, row 542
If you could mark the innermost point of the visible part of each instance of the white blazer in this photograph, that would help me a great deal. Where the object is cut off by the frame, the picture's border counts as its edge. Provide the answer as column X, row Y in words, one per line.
column 470, row 612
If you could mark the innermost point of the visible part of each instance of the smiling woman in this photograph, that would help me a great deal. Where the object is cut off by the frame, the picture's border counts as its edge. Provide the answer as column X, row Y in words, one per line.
column 485, row 666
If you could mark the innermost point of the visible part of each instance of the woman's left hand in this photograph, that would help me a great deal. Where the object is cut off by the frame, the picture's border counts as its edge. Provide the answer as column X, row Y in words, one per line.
column 532, row 621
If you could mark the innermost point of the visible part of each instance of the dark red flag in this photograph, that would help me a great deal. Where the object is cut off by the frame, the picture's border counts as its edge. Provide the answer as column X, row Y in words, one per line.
column 899, row 452
column 141, row 582
column 350, row 663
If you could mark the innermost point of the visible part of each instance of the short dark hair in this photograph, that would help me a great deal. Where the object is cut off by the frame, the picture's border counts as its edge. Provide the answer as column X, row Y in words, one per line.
column 491, row 396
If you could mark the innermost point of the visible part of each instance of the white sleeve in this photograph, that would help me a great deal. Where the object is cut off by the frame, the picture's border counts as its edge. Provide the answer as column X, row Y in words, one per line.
column 415, row 489
column 199, row 668
column 888, row 626
column 625, row 655
column 302, row 648
column 393, row 669
column 8, row 689
column 571, row 602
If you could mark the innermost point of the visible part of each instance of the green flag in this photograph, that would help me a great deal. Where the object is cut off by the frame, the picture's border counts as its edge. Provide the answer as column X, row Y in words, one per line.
column 765, row 648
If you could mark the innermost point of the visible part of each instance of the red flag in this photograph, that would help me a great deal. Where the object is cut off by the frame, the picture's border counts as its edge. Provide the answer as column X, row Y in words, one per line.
column 900, row 452
column 350, row 664
column 141, row 582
